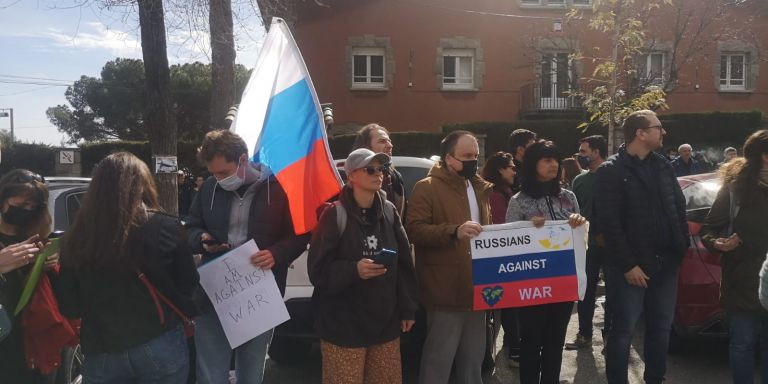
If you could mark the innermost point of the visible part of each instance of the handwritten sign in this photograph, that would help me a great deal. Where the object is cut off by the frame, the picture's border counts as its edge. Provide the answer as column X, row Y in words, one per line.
column 246, row 298
column 518, row 265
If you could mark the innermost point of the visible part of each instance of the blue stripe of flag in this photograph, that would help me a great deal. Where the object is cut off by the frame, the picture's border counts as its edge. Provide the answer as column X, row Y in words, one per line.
column 556, row 263
column 291, row 128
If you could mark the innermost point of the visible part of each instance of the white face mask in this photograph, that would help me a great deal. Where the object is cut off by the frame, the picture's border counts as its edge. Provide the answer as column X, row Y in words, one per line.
column 232, row 182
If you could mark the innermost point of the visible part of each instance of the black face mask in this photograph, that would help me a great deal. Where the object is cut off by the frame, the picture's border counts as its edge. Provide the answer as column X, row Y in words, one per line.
column 584, row 161
column 469, row 169
column 20, row 217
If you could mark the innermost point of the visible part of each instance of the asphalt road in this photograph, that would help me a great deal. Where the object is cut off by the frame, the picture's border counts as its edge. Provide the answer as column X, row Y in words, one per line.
column 701, row 362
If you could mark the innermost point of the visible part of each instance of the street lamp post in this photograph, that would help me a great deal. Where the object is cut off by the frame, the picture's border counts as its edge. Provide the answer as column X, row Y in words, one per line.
column 8, row 112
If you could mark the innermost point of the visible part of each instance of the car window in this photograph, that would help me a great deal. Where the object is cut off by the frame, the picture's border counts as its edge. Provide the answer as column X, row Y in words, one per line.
column 411, row 175
column 73, row 205
column 699, row 198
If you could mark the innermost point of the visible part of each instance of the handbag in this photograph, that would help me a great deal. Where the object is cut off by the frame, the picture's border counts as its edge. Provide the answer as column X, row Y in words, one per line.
column 157, row 296
column 5, row 323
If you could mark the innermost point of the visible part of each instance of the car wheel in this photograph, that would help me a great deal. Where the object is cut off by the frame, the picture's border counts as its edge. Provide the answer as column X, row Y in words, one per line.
column 71, row 366
column 285, row 350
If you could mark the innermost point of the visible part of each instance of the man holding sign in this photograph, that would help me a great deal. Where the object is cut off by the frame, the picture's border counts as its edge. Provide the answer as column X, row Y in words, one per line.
column 241, row 202
column 446, row 210
column 551, row 279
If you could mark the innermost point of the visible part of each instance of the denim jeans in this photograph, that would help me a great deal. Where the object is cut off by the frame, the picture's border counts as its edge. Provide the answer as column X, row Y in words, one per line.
column 627, row 303
column 162, row 360
column 214, row 353
column 746, row 331
column 586, row 307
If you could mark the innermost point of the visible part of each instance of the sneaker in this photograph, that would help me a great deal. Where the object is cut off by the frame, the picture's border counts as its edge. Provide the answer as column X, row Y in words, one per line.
column 579, row 343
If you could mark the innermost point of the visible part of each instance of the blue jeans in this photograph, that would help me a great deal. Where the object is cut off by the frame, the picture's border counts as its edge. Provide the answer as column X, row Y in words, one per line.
column 746, row 330
column 162, row 360
column 627, row 303
column 214, row 353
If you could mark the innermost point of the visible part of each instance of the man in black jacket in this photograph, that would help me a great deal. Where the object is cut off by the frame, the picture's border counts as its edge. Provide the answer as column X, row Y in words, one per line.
column 239, row 203
column 640, row 210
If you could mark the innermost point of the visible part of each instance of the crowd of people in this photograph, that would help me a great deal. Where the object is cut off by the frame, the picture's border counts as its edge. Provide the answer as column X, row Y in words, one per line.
column 126, row 276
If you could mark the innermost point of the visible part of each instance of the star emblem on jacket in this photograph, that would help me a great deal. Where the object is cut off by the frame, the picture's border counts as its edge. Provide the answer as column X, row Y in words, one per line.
column 372, row 242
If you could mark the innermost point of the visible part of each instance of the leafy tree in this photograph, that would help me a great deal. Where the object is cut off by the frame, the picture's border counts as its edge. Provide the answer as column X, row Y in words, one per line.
column 112, row 106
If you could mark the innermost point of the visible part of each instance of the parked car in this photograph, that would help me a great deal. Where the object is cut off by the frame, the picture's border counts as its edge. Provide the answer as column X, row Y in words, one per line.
column 698, row 312
column 64, row 197
column 293, row 339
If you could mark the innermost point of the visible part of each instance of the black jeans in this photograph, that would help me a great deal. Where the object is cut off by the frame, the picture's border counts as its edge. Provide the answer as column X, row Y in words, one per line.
column 586, row 307
column 542, row 333
column 511, row 327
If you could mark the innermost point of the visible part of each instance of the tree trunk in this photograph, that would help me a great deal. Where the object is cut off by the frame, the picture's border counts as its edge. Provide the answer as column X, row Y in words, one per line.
column 159, row 106
column 615, row 136
column 222, row 61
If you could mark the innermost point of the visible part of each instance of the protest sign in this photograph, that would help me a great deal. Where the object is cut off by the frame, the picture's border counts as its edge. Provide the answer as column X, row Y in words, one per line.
column 246, row 298
column 518, row 265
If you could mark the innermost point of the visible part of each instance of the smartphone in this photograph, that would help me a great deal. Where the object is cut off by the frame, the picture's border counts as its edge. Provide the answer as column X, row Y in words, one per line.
column 385, row 257
column 55, row 235
column 211, row 242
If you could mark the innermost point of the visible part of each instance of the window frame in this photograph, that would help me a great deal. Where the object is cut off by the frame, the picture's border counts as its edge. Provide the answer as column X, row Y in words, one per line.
column 647, row 57
column 729, row 64
column 458, row 53
column 368, row 52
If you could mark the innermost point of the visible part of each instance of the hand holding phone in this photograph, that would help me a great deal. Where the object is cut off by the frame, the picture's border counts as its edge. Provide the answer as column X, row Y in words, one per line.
column 211, row 245
column 385, row 257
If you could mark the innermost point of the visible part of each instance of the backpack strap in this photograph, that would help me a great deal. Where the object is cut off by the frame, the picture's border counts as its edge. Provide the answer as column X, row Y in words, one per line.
column 341, row 214
column 341, row 217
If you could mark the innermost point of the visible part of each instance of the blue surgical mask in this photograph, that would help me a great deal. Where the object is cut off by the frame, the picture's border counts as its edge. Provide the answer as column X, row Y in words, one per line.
column 232, row 182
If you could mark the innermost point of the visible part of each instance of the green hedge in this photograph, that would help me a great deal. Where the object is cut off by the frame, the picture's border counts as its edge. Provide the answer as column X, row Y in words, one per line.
column 713, row 129
column 92, row 153
column 701, row 130
column 38, row 158
column 417, row 144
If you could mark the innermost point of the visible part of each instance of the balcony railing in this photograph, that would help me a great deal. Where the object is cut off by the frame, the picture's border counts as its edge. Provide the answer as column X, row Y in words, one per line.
column 553, row 96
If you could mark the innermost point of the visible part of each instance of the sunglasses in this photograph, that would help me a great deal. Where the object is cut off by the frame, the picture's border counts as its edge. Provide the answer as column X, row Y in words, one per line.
column 371, row 170
column 29, row 177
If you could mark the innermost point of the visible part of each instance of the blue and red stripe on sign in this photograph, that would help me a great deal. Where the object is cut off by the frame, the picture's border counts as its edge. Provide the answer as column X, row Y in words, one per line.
column 523, row 267
column 526, row 293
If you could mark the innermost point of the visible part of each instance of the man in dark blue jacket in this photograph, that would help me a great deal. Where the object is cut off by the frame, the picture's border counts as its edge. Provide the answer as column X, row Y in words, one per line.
column 685, row 164
column 240, row 202
column 640, row 210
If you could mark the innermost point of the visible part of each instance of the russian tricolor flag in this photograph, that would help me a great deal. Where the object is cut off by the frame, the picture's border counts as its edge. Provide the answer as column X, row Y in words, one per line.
column 281, row 121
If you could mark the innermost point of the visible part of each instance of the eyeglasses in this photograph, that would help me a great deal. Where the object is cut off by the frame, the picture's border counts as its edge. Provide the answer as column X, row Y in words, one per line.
column 661, row 128
column 371, row 170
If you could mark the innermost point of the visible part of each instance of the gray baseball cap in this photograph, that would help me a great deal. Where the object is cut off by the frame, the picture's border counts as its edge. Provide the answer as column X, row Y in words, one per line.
column 362, row 157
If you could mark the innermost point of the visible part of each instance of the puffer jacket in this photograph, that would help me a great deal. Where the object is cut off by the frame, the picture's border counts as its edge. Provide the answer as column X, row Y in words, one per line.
column 437, row 207
column 626, row 215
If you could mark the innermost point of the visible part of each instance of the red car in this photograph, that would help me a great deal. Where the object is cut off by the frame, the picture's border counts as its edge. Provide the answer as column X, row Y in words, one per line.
column 698, row 311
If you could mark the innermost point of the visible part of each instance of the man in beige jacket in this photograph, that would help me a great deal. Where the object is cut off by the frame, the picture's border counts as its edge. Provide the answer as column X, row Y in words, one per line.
column 446, row 210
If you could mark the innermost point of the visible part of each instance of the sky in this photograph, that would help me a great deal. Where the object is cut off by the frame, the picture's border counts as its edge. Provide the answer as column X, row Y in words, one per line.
column 48, row 42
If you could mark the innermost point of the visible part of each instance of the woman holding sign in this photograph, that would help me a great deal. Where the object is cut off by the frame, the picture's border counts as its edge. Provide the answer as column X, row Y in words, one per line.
column 128, row 273
column 365, row 283
column 543, row 327
column 24, row 223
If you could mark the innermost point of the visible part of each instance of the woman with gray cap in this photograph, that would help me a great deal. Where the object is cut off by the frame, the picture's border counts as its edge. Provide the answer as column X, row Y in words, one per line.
column 365, row 283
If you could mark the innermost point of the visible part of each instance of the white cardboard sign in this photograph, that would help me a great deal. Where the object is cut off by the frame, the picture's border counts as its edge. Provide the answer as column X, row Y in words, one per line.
column 246, row 298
